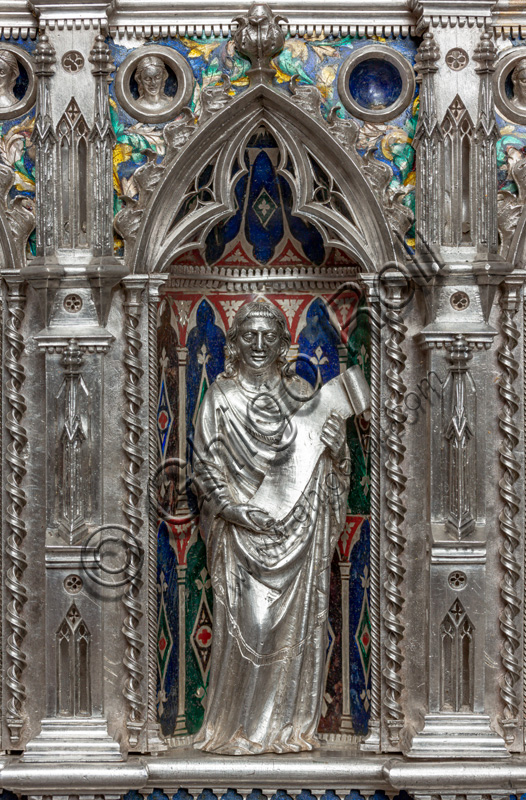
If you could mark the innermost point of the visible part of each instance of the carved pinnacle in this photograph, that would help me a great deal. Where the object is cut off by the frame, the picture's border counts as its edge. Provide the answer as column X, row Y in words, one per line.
column 259, row 38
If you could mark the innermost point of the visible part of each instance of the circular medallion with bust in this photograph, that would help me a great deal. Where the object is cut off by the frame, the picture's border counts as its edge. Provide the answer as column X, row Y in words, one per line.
column 269, row 560
column 518, row 79
column 9, row 72
column 151, row 76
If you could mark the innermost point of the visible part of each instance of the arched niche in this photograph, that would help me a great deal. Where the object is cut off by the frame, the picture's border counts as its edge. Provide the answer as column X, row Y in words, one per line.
column 198, row 302
column 357, row 225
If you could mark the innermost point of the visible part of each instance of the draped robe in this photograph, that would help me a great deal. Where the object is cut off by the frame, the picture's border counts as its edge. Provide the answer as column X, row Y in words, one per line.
column 271, row 590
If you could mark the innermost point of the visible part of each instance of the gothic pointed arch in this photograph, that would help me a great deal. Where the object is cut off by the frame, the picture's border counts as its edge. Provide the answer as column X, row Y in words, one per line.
column 326, row 181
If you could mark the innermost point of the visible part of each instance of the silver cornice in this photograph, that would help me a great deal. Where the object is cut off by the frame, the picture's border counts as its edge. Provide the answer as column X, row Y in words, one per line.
column 194, row 17
column 304, row 16
column 17, row 20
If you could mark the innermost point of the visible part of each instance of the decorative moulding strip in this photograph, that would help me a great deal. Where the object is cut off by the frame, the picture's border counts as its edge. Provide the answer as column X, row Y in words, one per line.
column 214, row 18
column 201, row 29
column 18, row 32
column 71, row 24
column 336, row 769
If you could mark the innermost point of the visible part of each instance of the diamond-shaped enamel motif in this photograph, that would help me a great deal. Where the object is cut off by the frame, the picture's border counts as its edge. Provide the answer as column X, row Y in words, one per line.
column 362, row 637
column 264, row 207
column 164, row 641
column 164, row 417
column 201, row 637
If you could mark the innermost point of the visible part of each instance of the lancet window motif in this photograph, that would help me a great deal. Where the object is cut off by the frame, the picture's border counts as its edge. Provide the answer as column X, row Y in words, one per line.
column 456, row 636
column 73, row 448
column 263, row 228
column 73, row 134
column 73, row 643
column 457, row 131
column 460, row 510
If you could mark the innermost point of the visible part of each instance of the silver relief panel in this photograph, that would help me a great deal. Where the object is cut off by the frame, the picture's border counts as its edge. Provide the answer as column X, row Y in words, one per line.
column 81, row 388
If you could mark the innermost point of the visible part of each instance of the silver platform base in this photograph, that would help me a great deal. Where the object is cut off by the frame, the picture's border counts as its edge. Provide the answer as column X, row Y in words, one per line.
column 457, row 736
column 73, row 740
column 337, row 768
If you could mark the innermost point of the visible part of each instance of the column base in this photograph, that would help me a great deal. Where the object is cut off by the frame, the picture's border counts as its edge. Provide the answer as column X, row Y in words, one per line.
column 154, row 741
column 71, row 740
column 346, row 724
column 180, row 725
column 371, row 743
column 457, row 736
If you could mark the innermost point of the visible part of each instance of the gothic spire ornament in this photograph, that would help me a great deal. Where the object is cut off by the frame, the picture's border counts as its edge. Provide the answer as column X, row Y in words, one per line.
column 102, row 140
column 259, row 38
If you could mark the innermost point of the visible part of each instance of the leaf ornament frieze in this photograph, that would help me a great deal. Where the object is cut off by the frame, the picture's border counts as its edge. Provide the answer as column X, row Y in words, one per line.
column 19, row 214
column 303, row 71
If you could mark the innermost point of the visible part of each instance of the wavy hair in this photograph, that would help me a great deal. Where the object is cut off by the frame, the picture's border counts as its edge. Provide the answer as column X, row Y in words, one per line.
column 149, row 61
column 11, row 63
column 256, row 308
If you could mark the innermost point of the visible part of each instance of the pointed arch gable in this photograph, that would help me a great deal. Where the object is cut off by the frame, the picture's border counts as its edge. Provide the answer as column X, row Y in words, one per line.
column 165, row 232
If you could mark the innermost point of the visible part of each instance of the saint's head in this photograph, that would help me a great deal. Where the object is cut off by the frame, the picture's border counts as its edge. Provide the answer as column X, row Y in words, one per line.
column 258, row 339
column 151, row 75
column 9, row 72
column 518, row 78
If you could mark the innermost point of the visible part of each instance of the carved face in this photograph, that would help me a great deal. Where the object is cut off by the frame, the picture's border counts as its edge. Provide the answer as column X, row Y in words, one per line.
column 259, row 343
column 519, row 85
column 151, row 80
column 8, row 76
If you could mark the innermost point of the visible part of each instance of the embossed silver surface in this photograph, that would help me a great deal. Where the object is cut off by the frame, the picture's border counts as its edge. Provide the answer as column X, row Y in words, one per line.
column 269, row 559
column 81, row 386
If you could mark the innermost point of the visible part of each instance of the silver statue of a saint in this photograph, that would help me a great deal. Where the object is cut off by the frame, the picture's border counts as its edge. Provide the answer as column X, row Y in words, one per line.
column 518, row 79
column 9, row 72
column 272, row 477
column 151, row 75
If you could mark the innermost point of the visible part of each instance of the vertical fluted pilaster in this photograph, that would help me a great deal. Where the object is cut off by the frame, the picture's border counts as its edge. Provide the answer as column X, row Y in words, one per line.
column 16, row 559
column 509, row 495
column 133, row 448
column 396, row 480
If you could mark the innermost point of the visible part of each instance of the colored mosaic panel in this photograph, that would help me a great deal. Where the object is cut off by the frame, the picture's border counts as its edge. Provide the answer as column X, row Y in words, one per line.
column 511, row 162
column 329, row 332
column 511, row 145
column 314, row 61
column 16, row 150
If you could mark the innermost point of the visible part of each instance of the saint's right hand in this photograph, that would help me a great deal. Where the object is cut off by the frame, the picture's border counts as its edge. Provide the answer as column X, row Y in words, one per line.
column 247, row 516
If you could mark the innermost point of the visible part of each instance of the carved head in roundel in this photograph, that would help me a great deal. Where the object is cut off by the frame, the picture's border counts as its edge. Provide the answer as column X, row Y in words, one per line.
column 9, row 72
column 151, row 75
column 518, row 78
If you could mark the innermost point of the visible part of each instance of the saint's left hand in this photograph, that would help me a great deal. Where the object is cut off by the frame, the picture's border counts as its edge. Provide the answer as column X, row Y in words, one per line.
column 333, row 433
